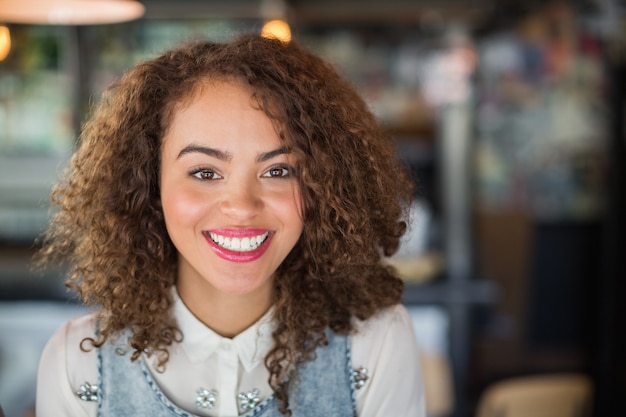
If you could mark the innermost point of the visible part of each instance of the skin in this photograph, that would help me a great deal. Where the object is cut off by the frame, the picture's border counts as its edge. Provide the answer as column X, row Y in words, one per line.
column 224, row 171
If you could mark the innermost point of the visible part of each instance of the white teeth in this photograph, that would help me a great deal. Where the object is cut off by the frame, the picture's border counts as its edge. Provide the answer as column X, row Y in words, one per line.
column 245, row 244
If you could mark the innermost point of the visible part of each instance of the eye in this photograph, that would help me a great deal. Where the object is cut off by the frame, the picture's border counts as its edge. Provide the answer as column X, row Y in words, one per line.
column 205, row 174
column 278, row 172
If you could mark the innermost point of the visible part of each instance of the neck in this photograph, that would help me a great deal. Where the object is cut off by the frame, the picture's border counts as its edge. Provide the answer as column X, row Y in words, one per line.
column 226, row 314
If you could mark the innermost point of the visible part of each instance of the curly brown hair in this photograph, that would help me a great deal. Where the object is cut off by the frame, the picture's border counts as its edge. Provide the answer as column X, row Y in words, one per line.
column 110, row 230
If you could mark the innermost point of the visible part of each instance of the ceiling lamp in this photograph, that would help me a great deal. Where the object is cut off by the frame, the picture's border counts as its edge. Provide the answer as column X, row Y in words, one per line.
column 278, row 29
column 5, row 42
column 274, row 13
column 69, row 12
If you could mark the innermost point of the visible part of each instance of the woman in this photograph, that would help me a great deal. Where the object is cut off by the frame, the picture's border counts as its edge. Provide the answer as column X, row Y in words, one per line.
column 227, row 211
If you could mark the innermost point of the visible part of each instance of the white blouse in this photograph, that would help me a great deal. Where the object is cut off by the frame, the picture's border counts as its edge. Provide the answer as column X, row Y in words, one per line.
column 385, row 345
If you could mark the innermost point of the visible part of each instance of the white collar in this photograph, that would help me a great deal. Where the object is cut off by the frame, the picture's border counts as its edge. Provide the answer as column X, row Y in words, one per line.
column 200, row 342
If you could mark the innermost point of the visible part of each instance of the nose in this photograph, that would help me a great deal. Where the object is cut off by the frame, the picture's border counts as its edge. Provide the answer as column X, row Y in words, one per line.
column 241, row 201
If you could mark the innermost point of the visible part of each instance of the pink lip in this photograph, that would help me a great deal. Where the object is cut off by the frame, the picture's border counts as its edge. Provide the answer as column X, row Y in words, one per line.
column 234, row 256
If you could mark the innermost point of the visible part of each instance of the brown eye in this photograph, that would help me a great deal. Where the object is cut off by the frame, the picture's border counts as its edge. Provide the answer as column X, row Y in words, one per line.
column 205, row 174
column 277, row 172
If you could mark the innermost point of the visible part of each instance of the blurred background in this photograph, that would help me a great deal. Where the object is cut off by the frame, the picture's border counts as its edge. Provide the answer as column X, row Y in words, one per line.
column 510, row 115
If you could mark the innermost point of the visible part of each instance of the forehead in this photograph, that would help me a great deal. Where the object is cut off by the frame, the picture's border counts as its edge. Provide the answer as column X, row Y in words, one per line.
column 210, row 86
column 221, row 114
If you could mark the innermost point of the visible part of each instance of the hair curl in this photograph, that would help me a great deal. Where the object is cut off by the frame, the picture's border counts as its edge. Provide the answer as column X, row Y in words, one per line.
column 110, row 230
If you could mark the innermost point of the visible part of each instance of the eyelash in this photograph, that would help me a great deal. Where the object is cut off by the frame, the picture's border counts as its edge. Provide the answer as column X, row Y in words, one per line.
column 287, row 171
column 202, row 173
column 199, row 173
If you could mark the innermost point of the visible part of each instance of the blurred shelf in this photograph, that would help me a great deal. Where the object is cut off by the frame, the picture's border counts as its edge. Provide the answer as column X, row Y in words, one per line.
column 440, row 291
column 19, row 281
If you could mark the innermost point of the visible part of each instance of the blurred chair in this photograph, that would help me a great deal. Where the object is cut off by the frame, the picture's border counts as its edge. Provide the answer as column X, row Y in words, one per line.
column 431, row 329
column 551, row 395
column 437, row 376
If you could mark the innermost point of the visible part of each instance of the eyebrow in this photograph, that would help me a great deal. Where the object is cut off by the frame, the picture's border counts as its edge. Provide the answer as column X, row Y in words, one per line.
column 271, row 154
column 216, row 153
column 227, row 156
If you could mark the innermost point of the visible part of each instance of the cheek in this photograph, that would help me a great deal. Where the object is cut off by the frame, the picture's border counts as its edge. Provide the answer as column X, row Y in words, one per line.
column 289, row 209
column 182, row 207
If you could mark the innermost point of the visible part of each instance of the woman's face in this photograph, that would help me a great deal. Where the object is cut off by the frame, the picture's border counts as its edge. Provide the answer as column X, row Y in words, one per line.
column 229, row 193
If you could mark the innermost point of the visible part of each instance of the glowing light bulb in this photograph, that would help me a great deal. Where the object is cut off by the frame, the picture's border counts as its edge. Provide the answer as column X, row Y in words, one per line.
column 5, row 42
column 278, row 29
column 70, row 12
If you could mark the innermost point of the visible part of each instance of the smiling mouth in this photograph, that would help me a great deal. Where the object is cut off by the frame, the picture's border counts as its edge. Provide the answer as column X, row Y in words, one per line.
column 239, row 244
